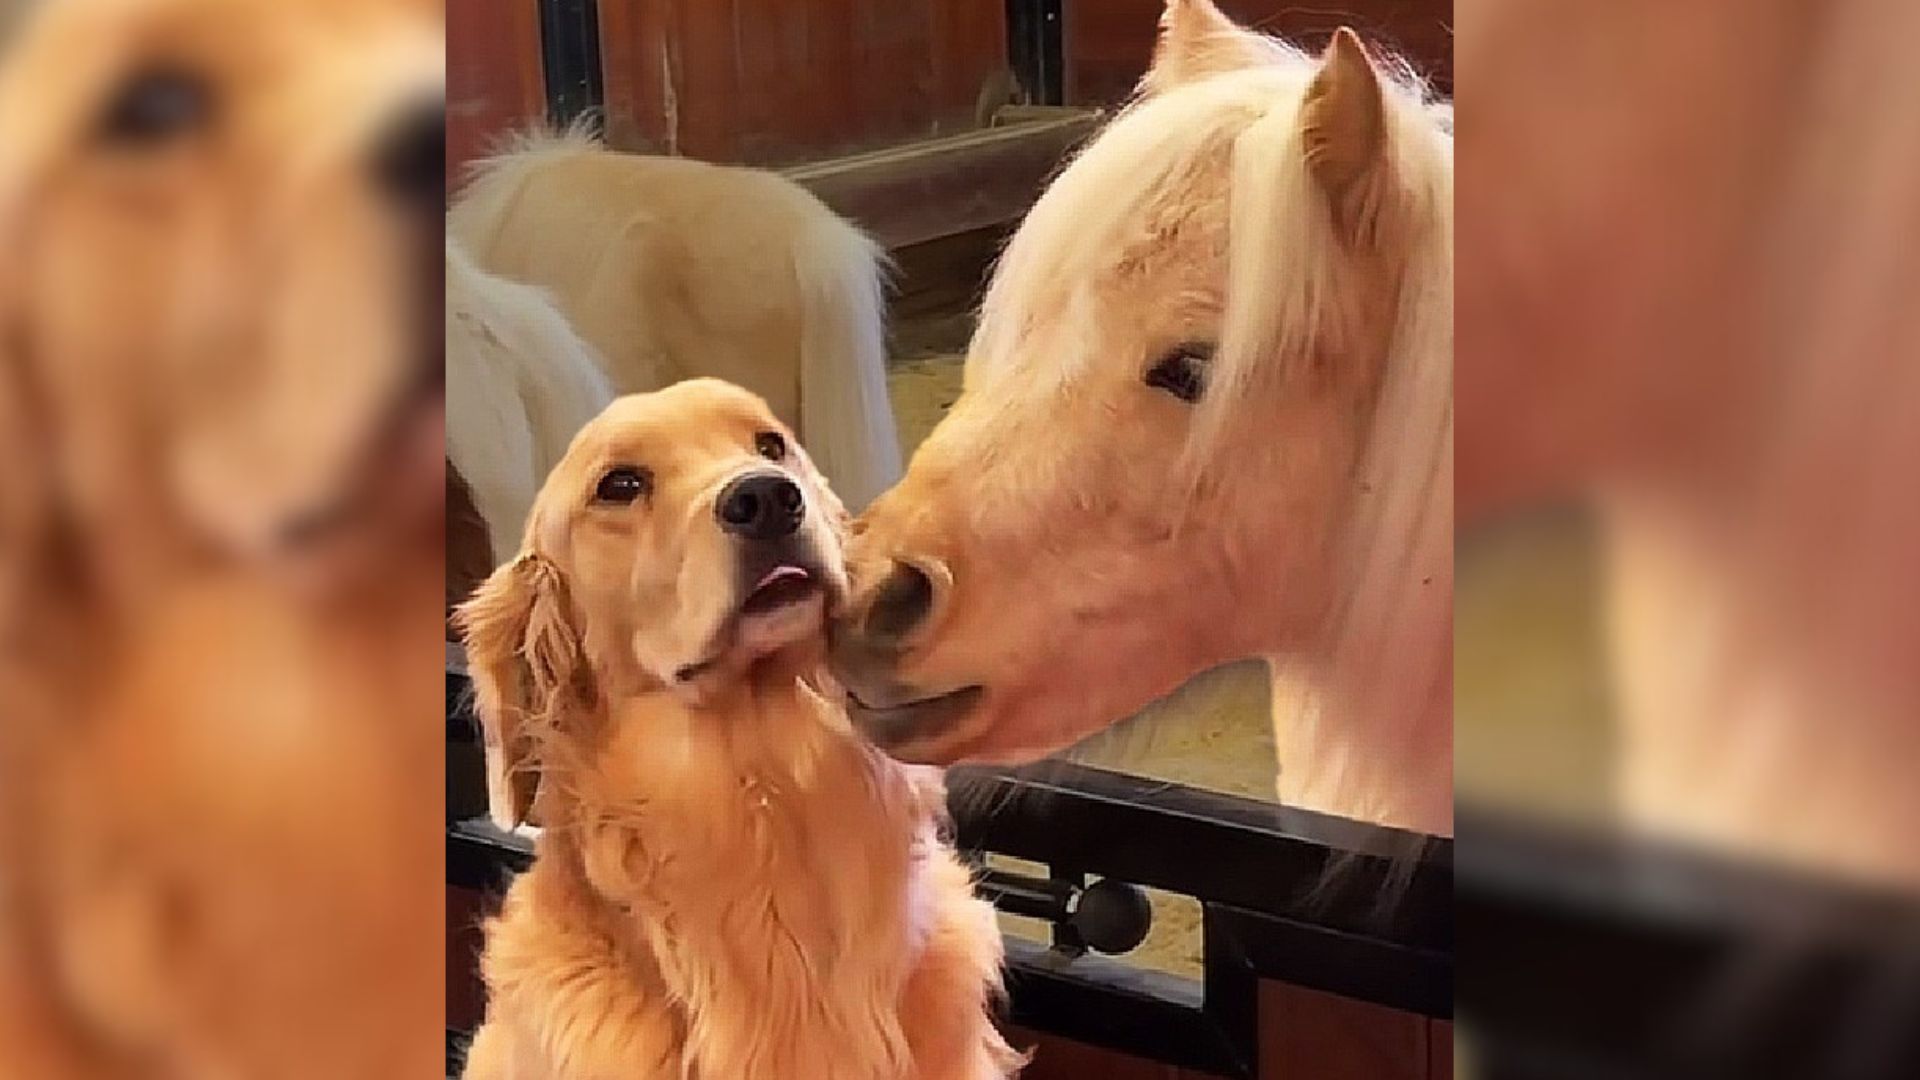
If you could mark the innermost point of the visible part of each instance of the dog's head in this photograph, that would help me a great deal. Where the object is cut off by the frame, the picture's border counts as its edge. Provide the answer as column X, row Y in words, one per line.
column 684, row 536
column 218, row 265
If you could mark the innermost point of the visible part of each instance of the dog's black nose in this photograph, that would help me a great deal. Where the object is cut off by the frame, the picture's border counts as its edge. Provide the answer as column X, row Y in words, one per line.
column 761, row 506
column 410, row 161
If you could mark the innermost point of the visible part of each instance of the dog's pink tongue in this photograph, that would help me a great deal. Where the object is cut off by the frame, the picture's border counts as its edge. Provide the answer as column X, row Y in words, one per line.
column 779, row 574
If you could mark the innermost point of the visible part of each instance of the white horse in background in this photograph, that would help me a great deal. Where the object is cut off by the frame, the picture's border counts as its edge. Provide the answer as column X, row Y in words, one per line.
column 520, row 383
column 1207, row 415
column 672, row 269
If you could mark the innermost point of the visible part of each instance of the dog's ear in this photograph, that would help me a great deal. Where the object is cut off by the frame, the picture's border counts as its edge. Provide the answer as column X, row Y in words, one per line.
column 528, row 669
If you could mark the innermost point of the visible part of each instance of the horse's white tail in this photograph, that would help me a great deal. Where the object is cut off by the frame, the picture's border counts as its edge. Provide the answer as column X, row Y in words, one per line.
column 520, row 383
column 492, row 185
column 846, row 418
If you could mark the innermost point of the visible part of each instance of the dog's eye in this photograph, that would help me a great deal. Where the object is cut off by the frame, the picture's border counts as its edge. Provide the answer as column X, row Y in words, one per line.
column 156, row 105
column 771, row 445
column 1182, row 372
column 622, row 486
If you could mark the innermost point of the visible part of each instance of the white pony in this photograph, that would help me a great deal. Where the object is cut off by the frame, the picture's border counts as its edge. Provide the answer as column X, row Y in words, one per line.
column 1207, row 415
column 673, row 269
column 520, row 383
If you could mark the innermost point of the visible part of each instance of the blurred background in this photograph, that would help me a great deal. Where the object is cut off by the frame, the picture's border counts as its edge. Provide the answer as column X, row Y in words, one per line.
column 1685, row 379
column 220, row 538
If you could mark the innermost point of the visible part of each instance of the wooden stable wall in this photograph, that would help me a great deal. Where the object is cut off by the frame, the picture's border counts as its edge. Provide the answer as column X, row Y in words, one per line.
column 762, row 82
column 1106, row 43
column 773, row 82
column 776, row 82
column 494, row 78
column 1304, row 1035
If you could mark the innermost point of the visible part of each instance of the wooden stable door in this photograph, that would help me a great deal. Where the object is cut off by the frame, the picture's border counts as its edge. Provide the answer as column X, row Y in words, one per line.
column 1304, row 1035
column 774, row 82
column 760, row 82
column 495, row 81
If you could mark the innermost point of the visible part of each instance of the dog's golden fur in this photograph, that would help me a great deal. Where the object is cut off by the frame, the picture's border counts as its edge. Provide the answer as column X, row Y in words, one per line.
column 729, row 881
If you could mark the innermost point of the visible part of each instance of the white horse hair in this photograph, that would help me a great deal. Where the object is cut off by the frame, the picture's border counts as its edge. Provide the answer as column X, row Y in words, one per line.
column 520, row 383
column 673, row 269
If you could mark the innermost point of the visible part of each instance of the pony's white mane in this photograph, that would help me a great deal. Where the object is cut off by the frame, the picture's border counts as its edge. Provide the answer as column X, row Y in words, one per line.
column 1386, row 659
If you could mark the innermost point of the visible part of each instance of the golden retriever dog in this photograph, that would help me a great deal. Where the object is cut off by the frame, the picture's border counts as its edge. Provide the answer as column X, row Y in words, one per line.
column 729, row 881
column 520, row 382
column 673, row 269
column 220, row 329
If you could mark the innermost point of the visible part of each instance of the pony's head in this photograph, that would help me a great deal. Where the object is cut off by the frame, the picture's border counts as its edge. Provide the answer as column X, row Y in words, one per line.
column 1167, row 403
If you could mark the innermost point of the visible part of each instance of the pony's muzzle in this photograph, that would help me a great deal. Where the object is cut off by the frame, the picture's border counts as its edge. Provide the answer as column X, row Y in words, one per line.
column 899, row 608
column 918, row 732
column 868, row 647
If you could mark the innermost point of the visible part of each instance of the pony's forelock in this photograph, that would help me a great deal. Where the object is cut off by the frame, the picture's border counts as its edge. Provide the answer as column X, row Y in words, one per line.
column 1288, row 274
column 1290, row 280
column 1142, row 161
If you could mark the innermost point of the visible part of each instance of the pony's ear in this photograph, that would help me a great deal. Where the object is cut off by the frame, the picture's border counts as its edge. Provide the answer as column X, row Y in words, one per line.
column 1343, row 130
column 528, row 669
column 1196, row 41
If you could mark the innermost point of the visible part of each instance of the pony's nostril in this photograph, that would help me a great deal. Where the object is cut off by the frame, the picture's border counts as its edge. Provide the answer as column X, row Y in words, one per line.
column 902, row 603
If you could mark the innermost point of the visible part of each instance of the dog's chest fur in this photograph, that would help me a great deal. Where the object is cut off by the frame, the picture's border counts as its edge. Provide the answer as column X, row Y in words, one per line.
column 734, row 886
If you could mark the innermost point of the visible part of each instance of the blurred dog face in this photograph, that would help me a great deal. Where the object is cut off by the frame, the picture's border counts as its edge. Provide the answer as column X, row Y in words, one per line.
column 218, row 223
column 684, row 535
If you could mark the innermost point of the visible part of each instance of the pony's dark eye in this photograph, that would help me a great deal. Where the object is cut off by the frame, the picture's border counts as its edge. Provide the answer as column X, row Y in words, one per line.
column 1182, row 372
column 622, row 485
column 771, row 445
column 154, row 106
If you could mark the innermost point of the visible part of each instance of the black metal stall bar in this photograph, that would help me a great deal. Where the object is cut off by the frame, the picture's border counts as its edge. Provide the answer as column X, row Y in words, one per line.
column 570, row 58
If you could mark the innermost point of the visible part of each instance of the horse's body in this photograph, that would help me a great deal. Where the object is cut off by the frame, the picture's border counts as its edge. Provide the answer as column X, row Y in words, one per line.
column 1207, row 415
column 673, row 269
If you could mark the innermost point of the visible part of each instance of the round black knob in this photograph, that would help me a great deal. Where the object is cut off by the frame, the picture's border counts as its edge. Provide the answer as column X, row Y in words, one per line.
column 1112, row 916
